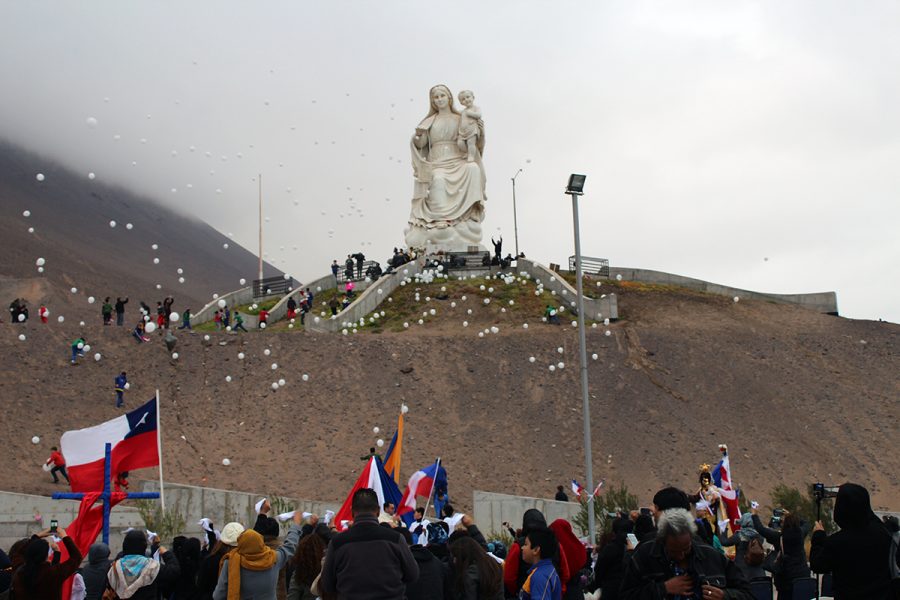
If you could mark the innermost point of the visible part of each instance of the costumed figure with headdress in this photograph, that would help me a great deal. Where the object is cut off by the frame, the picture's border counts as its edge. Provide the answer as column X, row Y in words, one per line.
column 716, row 500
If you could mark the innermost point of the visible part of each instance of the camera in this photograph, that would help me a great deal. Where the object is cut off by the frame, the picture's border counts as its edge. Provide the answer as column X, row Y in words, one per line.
column 777, row 516
column 822, row 491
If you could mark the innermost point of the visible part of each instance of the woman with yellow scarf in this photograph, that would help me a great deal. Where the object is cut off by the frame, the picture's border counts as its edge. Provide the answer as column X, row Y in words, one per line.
column 251, row 569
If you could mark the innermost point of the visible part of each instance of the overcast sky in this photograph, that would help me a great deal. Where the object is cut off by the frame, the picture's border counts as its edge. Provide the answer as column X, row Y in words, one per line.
column 754, row 144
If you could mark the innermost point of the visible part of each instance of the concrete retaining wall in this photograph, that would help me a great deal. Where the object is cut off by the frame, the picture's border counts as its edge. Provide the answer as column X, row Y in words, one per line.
column 318, row 286
column 594, row 308
column 491, row 510
column 235, row 298
column 23, row 514
column 223, row 506
column 824, row 302
column 367, row 301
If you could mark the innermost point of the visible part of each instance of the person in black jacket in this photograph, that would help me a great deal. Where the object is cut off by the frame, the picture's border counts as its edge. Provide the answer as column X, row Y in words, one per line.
column 120, row 310
column 367, row 560
column 434, row 580
column 789, row 542
column 94, row 574
column 678, row 563
column 857, row 555
column 610, row 566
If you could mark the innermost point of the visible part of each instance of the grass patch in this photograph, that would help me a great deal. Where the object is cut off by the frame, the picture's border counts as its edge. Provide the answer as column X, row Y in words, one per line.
column 248, row 309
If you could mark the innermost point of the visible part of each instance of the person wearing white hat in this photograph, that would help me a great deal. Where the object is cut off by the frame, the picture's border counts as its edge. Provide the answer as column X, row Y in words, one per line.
column 208, row 574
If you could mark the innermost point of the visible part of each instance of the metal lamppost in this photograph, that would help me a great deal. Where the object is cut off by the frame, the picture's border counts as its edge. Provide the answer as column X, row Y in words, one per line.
column 575, row 188
column 515, row 219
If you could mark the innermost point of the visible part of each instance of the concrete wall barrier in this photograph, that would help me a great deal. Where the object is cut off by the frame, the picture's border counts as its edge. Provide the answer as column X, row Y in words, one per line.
column 279, row 311
column 235, row 298
column 594, row 308
column 824, row 302
column 223, row 506
column 24, row 514
column 491, row 510
column 367, row 301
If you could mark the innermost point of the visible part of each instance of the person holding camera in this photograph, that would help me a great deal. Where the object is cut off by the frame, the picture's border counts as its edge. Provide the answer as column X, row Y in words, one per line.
column 38, row 579
column 857, row 555
column 789, row 562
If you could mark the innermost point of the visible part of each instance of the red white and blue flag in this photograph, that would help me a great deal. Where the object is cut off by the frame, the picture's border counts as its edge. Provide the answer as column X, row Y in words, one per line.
column 133, row 437
column 577, row 489
column 722, row 479
column 374, row 477
column 422, row 483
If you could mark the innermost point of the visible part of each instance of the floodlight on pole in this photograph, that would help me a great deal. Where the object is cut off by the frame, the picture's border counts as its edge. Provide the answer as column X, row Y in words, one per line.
column 575, row 188
column 515, row 219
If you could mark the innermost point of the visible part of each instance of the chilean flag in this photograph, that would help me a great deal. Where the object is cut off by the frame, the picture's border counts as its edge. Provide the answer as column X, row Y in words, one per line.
column 422, row 483
column 722, row 479
column 134, row 441
column 577, row 489
column 375, row 478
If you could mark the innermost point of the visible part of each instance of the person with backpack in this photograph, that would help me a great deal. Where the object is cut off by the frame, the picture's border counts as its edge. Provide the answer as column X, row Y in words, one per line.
column 107, row 311
column 38, row 579
column 749, row 554
column 857, row 556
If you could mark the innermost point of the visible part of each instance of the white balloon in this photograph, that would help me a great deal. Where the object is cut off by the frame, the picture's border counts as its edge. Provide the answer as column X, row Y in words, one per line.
column 594, row 356
column 129, row 226
column 225, row 246
column 174, row 316
column 376, row 430
column 607, row 333
column 91, row 299
column 21, row 337
column 531, row 359
column 305, row 377
column 379, row 443
column 91, row 122
column 155, row 246
column 274, row 366
column 282, row 383
column 39, row 176
column 574, row 323
column 40, row 262
column 40, row 269
column 240, row 356
column 26, row 213
column 228, row 378
column 150, row 327
column 736, row 299
column 155, row 261
column 560, row 349
column 267, row 352
column 127, row 386
column 112, row 223
column 60, row 318
column 262, row 325
column 274, row 385
column 181, row 280
column 206, row 338
column 174, row 356
column 552, row 368
column 404, row 408
column 561, row 365
column 21, row 318
column 97, row 357
column 222, row 303
column 91, row 176
column 242, row 281
column 35, row 440
column 226, row 462
column 180, row 270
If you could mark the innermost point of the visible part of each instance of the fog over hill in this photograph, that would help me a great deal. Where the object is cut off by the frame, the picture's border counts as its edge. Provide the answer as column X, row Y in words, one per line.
column 70, row 215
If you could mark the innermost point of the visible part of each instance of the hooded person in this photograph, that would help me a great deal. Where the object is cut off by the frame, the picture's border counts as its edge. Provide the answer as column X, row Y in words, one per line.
column 858, row 554
column 434, row 581
column 252, row 569
column 742, row 539
column 573, row 558
column 609, row 570
column 187, row 551
column 136, row 576
column 94, row 573
column 515, row 569
column 210, row 566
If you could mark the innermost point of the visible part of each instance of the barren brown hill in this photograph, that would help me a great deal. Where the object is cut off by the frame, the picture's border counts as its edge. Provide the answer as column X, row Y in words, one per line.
column 798, row 396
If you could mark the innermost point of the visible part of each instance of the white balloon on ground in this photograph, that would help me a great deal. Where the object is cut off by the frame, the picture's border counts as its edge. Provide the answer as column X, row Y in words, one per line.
column 305, row 377
column 21, row 337
column 60, row 318
column 226, row 461
column 97, row 357
column 228, row 378
column 174, row 356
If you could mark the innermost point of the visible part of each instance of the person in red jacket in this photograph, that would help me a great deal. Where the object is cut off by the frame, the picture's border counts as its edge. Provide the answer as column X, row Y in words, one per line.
column 44, row 313
column 59, row 464
column 263, row 318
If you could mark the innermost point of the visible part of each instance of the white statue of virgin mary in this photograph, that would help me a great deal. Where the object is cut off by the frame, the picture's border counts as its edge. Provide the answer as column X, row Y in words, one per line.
column 448, row 191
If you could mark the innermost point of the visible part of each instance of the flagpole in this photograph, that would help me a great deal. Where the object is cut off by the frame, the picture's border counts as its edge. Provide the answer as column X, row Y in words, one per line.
column 437, row 469
column 162, row 493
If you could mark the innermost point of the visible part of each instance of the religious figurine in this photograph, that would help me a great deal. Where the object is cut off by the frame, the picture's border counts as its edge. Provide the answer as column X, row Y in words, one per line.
column 469, row 125
column 448, row 191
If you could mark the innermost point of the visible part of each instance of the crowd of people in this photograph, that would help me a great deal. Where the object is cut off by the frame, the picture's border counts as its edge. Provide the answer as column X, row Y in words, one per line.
column 666, row 553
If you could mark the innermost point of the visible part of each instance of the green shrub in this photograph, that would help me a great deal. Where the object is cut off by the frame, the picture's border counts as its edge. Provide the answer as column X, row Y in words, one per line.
column 167, row 524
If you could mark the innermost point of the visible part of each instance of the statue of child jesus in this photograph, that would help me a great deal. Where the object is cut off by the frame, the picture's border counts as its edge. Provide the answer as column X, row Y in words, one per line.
column 468, row 125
